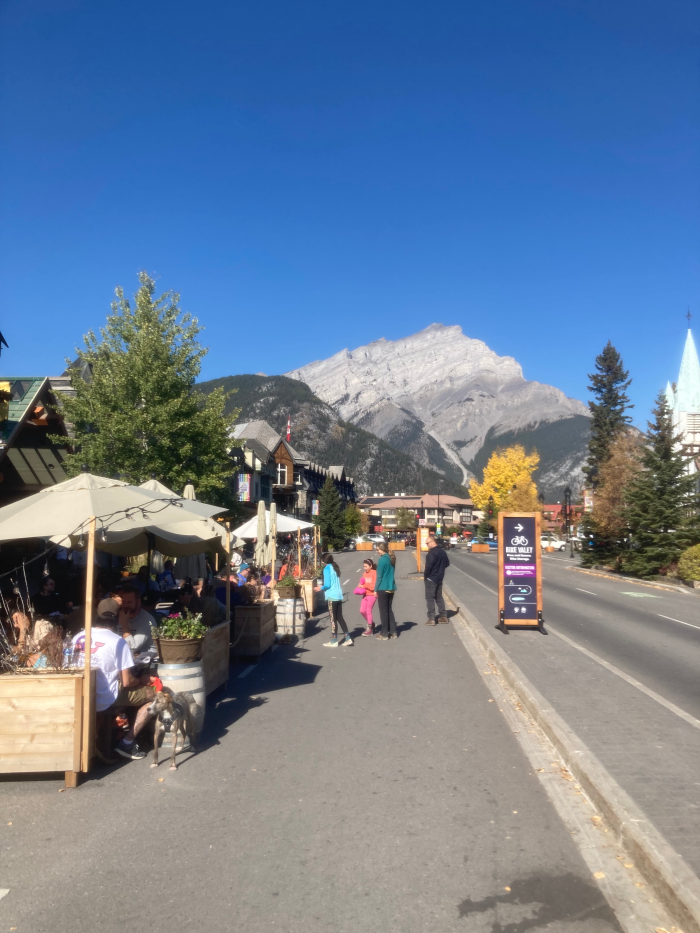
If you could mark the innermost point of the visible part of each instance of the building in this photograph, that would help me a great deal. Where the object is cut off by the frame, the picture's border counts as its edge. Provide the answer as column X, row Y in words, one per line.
column 683, row 398
column 271, row 469
column 429, row 510
column 29, row 414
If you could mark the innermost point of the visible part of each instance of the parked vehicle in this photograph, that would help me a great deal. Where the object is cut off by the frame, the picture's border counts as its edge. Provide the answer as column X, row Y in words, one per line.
column 372, row 537
column 551, row 541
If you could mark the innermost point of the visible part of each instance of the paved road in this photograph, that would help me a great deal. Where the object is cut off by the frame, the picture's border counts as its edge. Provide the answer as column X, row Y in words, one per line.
column 362, row 789
column 647, row 746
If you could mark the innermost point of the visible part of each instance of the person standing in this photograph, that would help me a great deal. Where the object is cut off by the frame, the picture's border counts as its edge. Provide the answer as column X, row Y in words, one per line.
column 436, row 562
column 334, row 595
column 369, row 598
column 385, row 587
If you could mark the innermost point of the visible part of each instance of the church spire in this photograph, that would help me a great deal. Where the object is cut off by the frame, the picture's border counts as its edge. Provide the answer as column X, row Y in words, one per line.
column 688, row 389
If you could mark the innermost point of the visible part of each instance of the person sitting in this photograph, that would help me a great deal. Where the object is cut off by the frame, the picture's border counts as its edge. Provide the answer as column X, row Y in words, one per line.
column 166, row 578
column 243, row 574
column 135, row 623
column 47, row 602
column 116, row 685
column 286, row 571
column 213, row 611
column 187, row 600
column 266, row 578
column 143, row 582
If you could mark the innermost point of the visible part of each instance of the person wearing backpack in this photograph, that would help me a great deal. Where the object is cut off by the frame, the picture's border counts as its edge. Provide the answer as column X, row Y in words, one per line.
column 385, row 587
column 334, row 595
column 436, row 562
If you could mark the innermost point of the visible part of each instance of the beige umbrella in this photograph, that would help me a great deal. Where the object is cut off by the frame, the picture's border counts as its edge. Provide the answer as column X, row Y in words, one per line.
column 261, row 535
column 188, row 492
column 272, row 536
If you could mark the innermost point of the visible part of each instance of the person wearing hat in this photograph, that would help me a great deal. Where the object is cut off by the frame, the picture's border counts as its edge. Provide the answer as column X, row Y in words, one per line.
column 116, row 686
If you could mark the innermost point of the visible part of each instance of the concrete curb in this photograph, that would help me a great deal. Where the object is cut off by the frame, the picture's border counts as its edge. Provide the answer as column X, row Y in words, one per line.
column 673, row 881
column 619, row 578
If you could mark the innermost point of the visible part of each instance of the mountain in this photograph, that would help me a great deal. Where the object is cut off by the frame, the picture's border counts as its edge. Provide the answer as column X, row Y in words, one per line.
column 320, row 435
column 447, row 400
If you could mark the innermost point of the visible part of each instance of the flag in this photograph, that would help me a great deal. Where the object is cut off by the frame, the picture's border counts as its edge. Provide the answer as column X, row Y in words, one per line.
column 289, row 428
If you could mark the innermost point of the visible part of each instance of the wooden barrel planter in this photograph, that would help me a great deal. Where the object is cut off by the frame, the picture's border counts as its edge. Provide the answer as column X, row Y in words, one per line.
column 291, row 617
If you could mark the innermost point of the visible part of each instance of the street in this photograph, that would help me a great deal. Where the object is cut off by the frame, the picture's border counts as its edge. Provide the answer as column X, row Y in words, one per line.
column 378, row 787
column 643, row 726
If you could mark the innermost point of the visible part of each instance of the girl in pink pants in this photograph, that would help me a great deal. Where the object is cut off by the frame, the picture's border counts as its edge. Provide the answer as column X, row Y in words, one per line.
column 369, row 578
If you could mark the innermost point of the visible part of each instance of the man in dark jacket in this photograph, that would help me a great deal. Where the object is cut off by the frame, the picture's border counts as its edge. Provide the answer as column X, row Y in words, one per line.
column 436, row 562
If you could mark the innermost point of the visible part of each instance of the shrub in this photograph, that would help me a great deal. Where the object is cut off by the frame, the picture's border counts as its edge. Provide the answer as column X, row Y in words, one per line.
column 689, row 563
column 182, row 626
column 289, row 580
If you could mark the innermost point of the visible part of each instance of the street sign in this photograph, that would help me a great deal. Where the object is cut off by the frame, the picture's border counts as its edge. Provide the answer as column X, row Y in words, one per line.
column 422, row 523
column 519, row 570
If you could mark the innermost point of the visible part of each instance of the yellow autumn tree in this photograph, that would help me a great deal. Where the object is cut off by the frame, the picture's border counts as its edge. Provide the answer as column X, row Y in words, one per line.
column 508, row 479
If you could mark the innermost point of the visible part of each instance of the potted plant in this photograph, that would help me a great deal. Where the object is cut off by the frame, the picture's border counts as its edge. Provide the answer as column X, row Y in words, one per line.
column 288, row 588
column 179, row 638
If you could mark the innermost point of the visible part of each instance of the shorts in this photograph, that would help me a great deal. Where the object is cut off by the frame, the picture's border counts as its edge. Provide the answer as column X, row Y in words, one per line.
column 127, row 696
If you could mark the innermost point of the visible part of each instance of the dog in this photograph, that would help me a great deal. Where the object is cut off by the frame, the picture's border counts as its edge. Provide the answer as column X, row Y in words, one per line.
column 178, row 710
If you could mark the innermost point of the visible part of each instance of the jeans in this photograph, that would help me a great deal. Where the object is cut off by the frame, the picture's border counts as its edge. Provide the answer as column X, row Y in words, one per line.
column 335, row 610
column 433, row 594
column 386, row 612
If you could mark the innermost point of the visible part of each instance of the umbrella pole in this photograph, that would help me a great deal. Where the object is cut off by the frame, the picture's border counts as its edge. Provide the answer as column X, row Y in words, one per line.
column 299, row 550
column 88, row 711
column 228, row 571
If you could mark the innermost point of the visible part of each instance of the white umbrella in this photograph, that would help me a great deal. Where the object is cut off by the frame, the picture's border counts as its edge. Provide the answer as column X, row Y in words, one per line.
column 285, row 524
column 189, row 493
column 260, row 534
column 67, row 507
column 272, row 539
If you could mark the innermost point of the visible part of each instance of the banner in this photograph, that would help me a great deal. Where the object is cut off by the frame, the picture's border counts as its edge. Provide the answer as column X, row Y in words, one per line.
column 244, row 487
column 314, row 507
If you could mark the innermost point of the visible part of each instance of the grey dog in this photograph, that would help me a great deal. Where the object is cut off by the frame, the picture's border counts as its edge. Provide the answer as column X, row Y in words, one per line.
column 178, row 710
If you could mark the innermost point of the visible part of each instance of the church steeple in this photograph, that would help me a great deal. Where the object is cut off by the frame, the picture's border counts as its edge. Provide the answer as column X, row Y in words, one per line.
column 688, row 388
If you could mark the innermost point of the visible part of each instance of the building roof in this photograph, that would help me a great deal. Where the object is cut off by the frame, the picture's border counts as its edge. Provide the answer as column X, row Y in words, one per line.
column 415, row 502
column 259, row 431
column 24, row 395
column 688, row 388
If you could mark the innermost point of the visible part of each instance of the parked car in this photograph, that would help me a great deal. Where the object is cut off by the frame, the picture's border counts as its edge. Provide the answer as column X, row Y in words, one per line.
column 492, row 543
column 372, row 537
column 350, row 544
column 444, row 543
column 552, row 541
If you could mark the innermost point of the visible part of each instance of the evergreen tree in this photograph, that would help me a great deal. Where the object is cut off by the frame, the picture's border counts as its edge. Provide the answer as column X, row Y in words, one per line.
column 608, row 419
column 662, row 502
column 136, row 411
column 331, row 520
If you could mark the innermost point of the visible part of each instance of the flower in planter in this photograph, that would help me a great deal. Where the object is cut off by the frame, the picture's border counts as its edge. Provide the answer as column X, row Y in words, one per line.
column 182, row 625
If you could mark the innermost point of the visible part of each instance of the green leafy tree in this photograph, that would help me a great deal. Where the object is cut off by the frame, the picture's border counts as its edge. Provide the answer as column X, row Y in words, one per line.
column 136, row 411
column 405, row 520
column 353, row 521
column 662, row 502
column 608, row 412
column 330, row 518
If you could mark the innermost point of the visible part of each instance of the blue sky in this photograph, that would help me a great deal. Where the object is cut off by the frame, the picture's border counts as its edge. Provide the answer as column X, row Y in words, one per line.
column 312, row 176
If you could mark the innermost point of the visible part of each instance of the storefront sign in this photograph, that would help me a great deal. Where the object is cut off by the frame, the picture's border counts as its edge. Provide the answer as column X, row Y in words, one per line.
column 244, row 487
column 519, row 570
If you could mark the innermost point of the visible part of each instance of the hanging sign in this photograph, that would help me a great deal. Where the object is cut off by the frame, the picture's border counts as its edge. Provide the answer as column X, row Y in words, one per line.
column 519, row 570
column 314, row 507
column 244, row 487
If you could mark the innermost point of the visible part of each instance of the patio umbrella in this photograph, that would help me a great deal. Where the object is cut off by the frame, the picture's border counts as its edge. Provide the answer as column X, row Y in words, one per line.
column 261, row 534
column 272, row 540
column 188, row 492
column 285, row 524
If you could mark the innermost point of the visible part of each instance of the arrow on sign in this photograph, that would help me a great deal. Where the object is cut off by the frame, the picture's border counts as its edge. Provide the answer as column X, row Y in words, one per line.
column 518, row 527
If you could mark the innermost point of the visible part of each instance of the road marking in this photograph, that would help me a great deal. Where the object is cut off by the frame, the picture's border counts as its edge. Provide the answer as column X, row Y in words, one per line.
column 251, row 667
column 679, row 620
column 585, row 591
column 640, row 595
column 630, row 680
column 3, row 892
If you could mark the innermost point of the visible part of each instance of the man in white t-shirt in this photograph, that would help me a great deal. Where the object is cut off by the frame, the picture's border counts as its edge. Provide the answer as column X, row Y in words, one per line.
column 115, row 683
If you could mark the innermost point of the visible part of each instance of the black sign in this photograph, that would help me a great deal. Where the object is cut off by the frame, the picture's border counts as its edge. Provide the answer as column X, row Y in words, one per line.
column 519, row 565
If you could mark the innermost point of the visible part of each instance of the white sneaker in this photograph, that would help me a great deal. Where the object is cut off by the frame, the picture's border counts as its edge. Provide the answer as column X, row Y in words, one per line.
column 333, row 643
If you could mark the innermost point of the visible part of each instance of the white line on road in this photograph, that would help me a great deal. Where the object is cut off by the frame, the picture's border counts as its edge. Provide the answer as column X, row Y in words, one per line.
column 251, row 667
column 3, row 892
column 630, row 680
column 678, row 620
column 585, row 591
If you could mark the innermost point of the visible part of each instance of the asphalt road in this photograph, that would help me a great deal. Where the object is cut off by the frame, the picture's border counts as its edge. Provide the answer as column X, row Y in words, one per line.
column 652, row 634
column 370, row 788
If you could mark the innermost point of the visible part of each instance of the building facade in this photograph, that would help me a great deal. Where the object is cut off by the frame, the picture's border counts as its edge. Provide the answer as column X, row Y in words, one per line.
column 683, row 398
column 445, row 511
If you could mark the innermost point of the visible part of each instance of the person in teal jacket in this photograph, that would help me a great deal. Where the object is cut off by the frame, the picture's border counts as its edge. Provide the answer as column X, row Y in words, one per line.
column 385, row 587
column 334, row 595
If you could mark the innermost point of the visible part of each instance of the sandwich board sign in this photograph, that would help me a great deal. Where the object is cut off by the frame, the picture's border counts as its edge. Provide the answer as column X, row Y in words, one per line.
column 519, row 571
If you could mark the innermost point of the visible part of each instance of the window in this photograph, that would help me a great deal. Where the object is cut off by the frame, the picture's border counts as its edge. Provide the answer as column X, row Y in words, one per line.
column 281, row 474
column 693, row 424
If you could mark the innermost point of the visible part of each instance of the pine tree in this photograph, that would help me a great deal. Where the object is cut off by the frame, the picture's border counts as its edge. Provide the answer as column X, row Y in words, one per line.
column 138, row 413
column 331, row 520
column 608, row 419
column 662, row 509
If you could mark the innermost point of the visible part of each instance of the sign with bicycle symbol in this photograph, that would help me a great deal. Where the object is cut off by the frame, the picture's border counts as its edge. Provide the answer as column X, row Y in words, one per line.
column 519, row 570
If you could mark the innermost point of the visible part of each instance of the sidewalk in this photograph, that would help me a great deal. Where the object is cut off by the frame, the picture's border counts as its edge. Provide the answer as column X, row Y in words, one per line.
column 651, row 752
column 369, row 788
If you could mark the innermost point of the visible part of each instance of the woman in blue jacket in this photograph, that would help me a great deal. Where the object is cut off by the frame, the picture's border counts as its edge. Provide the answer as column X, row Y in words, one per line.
column 385, row 587
column 334, row 595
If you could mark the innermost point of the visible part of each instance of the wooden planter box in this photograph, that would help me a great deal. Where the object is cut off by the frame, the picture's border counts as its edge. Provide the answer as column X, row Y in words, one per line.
column 215, row 656
column 364, row 546
column 41, row 723
column 397, row 545
column 312, row 600
column 253, row 629
column 480, row 549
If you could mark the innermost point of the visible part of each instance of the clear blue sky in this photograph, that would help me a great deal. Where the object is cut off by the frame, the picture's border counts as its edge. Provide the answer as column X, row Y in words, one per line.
column 313, row 175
